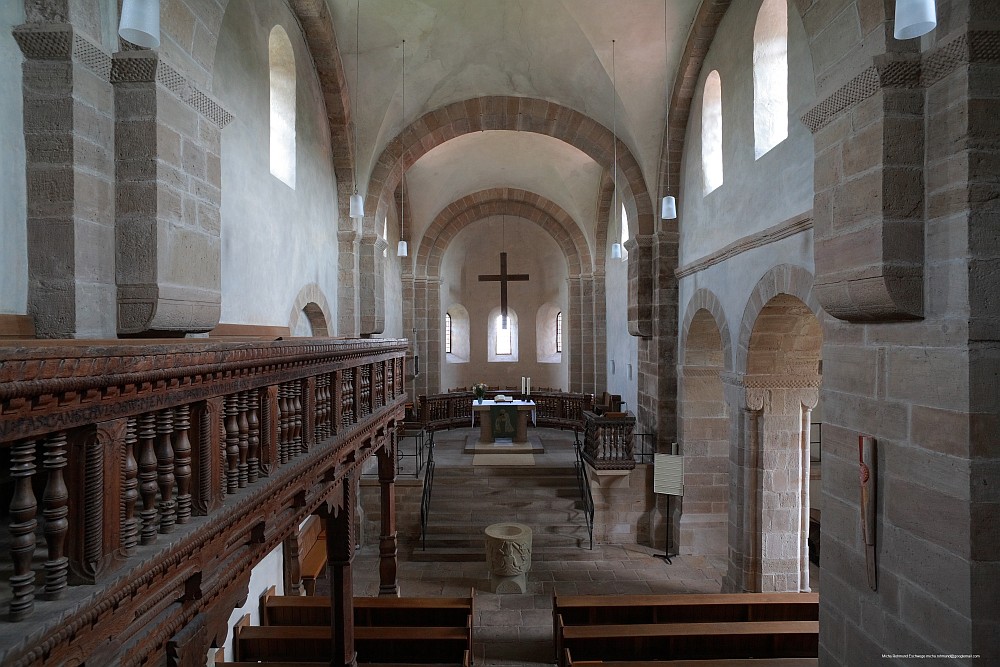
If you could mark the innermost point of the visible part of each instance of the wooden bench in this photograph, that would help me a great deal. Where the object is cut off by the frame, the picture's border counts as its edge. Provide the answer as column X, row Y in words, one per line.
column 369, row 611
column 725, row 662
column 312, row 553
column 411, row 645
column 692, row 641
column 584, row 610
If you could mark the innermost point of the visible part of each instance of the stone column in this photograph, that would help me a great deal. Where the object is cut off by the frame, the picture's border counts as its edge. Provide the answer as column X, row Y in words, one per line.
column 169, row 192
column 600, row 331
column 587, row 326
column 574, row 326
column 371, row 284
column 69, row 154
column 388, row 585
column 432, row 337
column 347, row 270
column 340, row 554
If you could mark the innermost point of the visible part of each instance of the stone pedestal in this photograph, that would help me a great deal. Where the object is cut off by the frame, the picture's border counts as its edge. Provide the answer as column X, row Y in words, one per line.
column 508, row 556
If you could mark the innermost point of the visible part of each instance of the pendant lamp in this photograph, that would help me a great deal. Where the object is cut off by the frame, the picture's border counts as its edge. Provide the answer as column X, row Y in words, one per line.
column 357, row 201
column 401, row 249
column 914, row 18
column 616, row 250
column 140, row 23
column 668, row 206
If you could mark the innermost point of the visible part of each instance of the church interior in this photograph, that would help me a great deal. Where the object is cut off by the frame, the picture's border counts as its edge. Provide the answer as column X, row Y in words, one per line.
column 259, row 256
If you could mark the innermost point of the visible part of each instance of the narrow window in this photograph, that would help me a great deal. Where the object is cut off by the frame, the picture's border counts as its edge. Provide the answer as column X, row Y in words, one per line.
column 281, row 61
column 624, row 233
column 503, row 336
column 770, row 76
column 711, row 132
column 559, row 332
column 447, row 333
column 385, row 237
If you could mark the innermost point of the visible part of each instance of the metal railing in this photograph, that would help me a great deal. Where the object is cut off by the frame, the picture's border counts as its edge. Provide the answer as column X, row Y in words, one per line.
column 584, row 481
column 425, row 497
column 645, row 449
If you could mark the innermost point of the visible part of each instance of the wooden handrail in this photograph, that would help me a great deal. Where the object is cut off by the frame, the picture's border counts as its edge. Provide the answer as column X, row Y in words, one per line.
column 148, row 464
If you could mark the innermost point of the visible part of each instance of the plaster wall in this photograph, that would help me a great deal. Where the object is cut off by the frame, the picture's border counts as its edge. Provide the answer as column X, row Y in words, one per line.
column 13, row 230
column 269, row 572
column 275, row 239
column 622, row 348
column 529, row 250
column 755, row 194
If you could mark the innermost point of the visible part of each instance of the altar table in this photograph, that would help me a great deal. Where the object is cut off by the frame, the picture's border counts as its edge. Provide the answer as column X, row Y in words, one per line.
column 524, row 410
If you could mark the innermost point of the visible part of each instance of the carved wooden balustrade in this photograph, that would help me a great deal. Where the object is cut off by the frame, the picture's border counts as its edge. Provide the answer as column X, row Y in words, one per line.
column 608, row 441
column 143, row 481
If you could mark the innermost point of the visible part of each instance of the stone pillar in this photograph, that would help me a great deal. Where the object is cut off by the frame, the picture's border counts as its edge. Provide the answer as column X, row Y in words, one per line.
column 432, row 343
column 371, row 284
column 409, row 296
column 574, row 326
column 169, row 192
column 347, row 272
column 587, row 326
column 388, row 585
column 340, row 554
column 770, row 484
column 600, row 331
column 69, row 154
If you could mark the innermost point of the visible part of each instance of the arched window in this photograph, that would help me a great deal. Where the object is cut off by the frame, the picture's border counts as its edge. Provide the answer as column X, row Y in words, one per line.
column 548, row 333
column 385, row 237
column 624, row 233
column 281, row 60
column 502, row 344
column 711, row 132
column 770, row 76
column 456, row 334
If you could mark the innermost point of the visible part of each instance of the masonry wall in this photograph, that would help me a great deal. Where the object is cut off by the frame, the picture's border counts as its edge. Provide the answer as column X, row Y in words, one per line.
column 623, row 348
column 14, row 249
column 275, row 239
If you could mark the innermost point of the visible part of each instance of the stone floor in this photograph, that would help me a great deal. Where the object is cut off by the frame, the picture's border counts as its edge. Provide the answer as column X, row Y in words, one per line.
column 516, row 629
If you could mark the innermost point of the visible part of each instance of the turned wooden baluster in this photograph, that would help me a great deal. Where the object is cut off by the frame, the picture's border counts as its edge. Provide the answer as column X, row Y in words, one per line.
column 243, row 424
column 320, row 402
column 283, row 424
column 165, row 469
column 147, row 477
column 232, row 444
column 55, row 509
column 130, row 490
column 296, row 400
column 253, row 441
column 347, row 392
column 23, row 521
column 182, row 462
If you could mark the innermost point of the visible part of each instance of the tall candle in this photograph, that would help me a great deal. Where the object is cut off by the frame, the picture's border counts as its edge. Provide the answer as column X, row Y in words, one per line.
column 528, row 391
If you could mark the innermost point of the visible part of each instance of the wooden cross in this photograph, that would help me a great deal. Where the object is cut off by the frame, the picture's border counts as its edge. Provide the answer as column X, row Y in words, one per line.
column 503, row 278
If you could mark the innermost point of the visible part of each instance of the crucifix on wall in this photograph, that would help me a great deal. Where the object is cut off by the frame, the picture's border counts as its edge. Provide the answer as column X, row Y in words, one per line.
column 503, row 278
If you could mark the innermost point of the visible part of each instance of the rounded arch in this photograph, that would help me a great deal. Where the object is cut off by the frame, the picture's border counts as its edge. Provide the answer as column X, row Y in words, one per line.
column 705, row 302
column 311, row 304
column 522, row 114
column 504, row 201
column 782, row 279
column 460, row 328
column 281, row 62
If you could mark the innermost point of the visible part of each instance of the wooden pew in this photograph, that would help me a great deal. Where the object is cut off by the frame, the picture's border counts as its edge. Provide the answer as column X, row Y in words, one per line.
column 410, row 645
column 693, row 641
column 730, row 662
column 312, row 550
column 368, row 611
column 582, row 610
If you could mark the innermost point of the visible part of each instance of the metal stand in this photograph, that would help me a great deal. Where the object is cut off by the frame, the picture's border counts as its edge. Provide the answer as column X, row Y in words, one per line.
column 666, row 546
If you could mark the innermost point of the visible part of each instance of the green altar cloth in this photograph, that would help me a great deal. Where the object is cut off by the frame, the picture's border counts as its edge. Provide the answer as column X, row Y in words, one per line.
column 504, row 421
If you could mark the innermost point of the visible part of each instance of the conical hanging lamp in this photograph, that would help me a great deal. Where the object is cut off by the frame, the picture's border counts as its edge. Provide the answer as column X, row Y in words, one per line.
column 668, row 206
column 914, row 18
column 616, row 247
column 357, row 201
column 140, row 23
column 401, row 249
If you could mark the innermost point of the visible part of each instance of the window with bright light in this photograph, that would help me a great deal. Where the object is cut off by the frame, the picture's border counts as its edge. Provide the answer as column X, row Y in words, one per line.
column 502, row 342
column 447, row 333
column 711, row 132
column 559, row 332
column 548, row 333
column 624, row 232
column 456, row 334
column 770, row 76
column 281, row 61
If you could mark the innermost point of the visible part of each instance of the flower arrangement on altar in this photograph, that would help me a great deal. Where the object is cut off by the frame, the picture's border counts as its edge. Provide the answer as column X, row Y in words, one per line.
column 479, row 389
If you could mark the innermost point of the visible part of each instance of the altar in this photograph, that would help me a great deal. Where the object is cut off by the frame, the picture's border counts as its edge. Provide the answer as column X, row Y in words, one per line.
column 504, row 419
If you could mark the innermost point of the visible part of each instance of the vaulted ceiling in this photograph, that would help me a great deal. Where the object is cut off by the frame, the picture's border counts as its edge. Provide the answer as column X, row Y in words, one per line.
column 554, row 50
